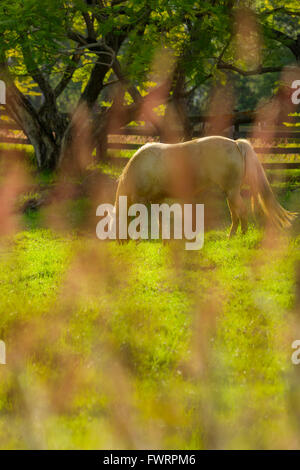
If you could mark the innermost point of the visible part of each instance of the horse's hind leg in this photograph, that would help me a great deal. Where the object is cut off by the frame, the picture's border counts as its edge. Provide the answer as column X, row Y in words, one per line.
column 243, row 215
column 234, row 218
column 238, row 212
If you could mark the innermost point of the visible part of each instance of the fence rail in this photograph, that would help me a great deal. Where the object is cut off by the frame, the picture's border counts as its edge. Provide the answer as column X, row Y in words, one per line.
column 241, row 119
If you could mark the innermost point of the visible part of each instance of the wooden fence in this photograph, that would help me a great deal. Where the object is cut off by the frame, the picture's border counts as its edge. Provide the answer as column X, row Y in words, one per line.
column 288, row 132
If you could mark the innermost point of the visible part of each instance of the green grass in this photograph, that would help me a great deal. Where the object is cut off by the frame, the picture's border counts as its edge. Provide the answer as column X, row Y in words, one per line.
column 146, row 345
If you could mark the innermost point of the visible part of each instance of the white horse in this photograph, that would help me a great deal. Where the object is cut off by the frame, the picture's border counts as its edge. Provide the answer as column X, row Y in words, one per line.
column 158, row 171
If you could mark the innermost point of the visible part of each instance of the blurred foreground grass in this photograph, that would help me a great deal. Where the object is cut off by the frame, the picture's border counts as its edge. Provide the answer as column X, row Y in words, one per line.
column 147, row 345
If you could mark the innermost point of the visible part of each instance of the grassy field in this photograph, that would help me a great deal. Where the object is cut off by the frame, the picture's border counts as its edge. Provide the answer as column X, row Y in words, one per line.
column 146, row 345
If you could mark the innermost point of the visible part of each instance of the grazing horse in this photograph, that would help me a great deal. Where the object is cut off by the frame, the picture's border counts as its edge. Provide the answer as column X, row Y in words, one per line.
column 158, row 171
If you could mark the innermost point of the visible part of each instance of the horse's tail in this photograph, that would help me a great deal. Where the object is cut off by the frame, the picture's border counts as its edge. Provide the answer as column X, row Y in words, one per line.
column 260, row 188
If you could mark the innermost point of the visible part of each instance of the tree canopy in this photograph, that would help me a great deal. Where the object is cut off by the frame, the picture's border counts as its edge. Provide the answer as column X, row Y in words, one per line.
column 74, row 53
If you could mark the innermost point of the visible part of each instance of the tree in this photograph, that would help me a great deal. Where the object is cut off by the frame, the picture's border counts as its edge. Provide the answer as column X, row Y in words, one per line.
column 47, row 47
column 52, row 44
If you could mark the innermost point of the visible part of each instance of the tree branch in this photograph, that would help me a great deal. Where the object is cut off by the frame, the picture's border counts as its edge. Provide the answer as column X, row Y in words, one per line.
column 247, row 73
column 89, row 25
column 280, row 10
column 37, row 75
column 134, row 92
column 67, row 76
column 77, row 37
column 284, row 39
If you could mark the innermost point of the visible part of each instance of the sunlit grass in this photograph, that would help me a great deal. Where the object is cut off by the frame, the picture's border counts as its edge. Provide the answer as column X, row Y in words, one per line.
column 146, row 345
column 141, row 307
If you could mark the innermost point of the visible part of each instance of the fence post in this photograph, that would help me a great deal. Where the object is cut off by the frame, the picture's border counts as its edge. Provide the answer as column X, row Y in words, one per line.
column 236, row 133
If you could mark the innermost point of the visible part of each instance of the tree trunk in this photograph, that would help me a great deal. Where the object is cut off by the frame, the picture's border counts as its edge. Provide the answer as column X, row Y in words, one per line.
column 101, row 149
column 100, row 135
column 46, row 144
column 46, row 151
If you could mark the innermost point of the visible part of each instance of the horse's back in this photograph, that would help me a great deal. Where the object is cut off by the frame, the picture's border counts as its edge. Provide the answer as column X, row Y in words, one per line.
column 216, row 159
column 156, row 166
